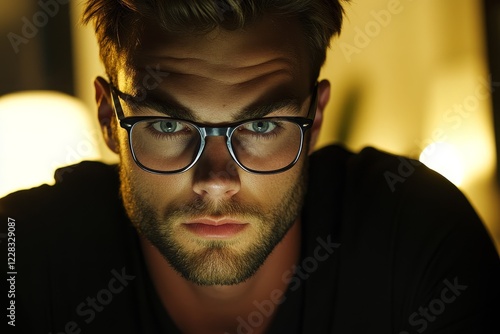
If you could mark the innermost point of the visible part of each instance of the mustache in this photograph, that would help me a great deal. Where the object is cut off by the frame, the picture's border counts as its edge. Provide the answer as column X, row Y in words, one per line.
column 199, row 207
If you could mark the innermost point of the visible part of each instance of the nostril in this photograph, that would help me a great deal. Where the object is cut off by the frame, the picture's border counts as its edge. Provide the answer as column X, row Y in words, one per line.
column 217, row 187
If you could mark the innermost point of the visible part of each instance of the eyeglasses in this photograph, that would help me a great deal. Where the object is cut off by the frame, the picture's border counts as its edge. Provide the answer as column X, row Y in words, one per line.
column 165, row 145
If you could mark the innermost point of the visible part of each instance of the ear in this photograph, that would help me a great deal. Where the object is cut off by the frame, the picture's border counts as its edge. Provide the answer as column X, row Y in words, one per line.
column 105, row 112
column 323, row 98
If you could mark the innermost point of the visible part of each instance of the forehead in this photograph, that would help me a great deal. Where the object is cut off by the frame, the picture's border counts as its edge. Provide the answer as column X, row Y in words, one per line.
column 222, row 69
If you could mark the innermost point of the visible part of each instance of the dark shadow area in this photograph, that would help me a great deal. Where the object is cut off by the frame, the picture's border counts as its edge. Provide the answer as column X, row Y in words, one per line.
column 492, row 21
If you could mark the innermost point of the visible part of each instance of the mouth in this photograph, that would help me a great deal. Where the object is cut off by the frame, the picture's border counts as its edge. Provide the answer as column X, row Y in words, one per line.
column 215, row 229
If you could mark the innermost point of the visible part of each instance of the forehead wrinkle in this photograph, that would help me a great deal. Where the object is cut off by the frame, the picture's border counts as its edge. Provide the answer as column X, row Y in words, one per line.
column 240, row 62
column 228, row 72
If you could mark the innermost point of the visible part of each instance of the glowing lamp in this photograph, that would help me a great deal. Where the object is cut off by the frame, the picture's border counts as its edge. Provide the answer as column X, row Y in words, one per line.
column 41, row 131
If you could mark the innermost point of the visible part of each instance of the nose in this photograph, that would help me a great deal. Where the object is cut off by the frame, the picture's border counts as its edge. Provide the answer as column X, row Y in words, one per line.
column 216, row 175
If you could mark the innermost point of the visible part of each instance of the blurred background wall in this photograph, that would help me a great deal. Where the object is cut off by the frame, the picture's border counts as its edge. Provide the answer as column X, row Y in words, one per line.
column 411, row 77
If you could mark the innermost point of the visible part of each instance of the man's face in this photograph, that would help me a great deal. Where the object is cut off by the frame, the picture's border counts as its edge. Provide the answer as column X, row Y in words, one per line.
column 216, row 223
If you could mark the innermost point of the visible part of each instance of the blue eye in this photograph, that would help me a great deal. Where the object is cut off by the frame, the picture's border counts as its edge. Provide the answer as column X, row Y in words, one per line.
column 260, row 126
column 168, row 126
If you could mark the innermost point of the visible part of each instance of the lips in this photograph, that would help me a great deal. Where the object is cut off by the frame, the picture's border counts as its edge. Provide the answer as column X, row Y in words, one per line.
column 218, row 229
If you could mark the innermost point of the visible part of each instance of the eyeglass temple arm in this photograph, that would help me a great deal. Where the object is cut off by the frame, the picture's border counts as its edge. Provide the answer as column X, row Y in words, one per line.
column 116, row 102
column 314, row 103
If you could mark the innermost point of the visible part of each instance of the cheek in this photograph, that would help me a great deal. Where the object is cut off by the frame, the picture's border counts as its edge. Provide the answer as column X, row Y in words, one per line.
column 161, row 190
column 269, row 189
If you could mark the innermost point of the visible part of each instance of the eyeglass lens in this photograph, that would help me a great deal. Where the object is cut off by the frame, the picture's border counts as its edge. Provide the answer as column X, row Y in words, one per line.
column 169, row 145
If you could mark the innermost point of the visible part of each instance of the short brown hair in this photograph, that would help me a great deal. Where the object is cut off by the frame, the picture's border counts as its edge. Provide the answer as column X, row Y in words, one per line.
column 118, row 23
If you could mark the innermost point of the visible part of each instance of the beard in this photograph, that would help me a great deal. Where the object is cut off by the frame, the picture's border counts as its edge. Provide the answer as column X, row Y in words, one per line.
column 213, row 262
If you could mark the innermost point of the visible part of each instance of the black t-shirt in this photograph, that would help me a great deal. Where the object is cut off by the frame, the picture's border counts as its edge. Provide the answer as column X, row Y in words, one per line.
column 388, row 247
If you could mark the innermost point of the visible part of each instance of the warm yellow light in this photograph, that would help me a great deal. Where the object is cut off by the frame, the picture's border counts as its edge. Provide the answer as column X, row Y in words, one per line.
column 40, row 132
column 445, row 159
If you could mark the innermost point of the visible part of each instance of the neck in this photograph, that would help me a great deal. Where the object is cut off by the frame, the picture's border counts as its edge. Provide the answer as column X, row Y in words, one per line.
column 218, row 309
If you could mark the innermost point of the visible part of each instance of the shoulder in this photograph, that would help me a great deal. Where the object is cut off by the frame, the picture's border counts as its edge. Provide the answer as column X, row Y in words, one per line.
column 58, row 221
column 72, row 241
column 411, row 241
column 380, row 180
column 75, row 185
column 369, row 166
column 402, row 199
column 67, row 214
column 408, row 193
column 382, row 198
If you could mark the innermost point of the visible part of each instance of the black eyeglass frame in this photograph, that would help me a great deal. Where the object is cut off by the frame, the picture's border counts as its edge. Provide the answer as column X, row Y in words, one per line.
column 227, row 131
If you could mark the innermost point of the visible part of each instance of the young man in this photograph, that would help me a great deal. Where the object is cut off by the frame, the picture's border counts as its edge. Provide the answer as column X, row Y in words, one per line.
column 219, row 218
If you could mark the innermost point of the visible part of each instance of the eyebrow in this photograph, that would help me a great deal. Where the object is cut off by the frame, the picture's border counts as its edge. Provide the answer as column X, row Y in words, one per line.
column 175, row 110
column 170, row 109
column 259, row 111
